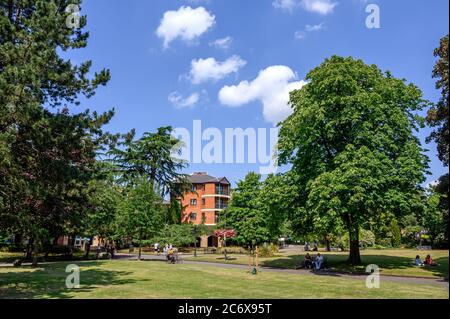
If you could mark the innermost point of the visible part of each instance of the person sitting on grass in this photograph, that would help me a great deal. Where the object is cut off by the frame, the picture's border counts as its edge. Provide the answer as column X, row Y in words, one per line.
column 307, row 262
column 318, row 261
column 429, row 261
column 418, row 261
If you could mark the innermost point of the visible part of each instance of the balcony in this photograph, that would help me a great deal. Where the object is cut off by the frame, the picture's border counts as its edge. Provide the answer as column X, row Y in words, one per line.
column 221, row 206
column 225, row 192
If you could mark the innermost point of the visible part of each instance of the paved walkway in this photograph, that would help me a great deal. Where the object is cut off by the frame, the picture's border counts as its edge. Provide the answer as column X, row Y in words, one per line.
column 400, row 279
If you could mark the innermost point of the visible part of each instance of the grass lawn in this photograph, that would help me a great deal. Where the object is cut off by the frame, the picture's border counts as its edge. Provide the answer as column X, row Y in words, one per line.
column 7, row 257
column 150, row 279
column 397, row 262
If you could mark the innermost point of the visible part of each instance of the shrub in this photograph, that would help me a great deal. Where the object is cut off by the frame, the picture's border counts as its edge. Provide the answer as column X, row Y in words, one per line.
column 233, row 250
column 4, row 249
column 384, row 242
column 367, row 238
column 396, row 235
column 267, row 250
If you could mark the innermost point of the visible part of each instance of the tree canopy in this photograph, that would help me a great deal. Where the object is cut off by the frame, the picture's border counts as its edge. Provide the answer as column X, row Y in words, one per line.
column 438, row 114
column 48, row 153
column 351, row 145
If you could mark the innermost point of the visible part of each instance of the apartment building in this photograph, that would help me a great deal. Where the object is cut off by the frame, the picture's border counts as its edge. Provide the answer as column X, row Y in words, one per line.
column 205, row 202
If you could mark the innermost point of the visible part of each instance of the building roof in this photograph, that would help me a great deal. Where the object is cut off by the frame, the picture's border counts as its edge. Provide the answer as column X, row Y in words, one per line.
column 203, row 178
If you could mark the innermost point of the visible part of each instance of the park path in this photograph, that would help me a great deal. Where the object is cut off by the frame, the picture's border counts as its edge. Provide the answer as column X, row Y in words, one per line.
column 400, row 279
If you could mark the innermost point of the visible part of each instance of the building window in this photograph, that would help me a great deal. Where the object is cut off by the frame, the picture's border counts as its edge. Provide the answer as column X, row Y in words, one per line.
column 193, row 217
column 193, row 202
column 221, row 203
column 203, row 201
column 216, row 217
column 222, row 189
column 194, row 188
column 203, row 218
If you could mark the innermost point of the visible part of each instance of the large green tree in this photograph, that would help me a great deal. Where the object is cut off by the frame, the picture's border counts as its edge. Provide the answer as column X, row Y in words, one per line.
column 438, row 114
column 256, row 209
column 105, row 198
column 437, row 118
column 351, row 145
column 141, row 214
column 153, row 157
column 48, row 153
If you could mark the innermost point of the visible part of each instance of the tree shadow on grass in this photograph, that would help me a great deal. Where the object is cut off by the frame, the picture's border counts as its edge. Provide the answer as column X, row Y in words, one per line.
column 49, row 281
column 338, row 263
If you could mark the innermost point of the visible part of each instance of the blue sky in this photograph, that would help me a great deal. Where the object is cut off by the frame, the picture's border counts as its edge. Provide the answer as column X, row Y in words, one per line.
column 183, row 73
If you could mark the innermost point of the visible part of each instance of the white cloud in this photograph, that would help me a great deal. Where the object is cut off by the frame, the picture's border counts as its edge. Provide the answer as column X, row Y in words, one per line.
column 288, row 5
column 180, row 102
column 315, row 27
column 203, row 70
column 322, row 7
column 185, row 23
column 271, row 87
column 432, row 184
column 309, row 28
column 300, row 34
column 223, row 43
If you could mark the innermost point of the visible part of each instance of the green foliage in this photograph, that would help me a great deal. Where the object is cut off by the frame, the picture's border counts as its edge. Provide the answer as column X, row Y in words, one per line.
column 267, row 250
column 395, row 234
column 106, row 197
column 178, row 235
column 433, row 218
column 47, row 153
column 367, row 239
column 441, row 191
column 151, row 157
column 141, row 212
column 256, row 210
column 437, row 116
column 352, row 149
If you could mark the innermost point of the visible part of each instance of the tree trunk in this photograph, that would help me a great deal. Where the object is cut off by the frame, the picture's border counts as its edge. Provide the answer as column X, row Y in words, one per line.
column 354, row 257
column 327, row 241
column 29, row 249
column 140, row 250
column 35, row 254
column 195, row 247
column 88, row 249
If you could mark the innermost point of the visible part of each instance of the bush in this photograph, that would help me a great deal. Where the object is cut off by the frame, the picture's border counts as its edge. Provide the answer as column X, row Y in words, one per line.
column 267, row 250
column 367, row 238
column 396, row 235
column 232, row 250
column 4, row 249
column 384, row 242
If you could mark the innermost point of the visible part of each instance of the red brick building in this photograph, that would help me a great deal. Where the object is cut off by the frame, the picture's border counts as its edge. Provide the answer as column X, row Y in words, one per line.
column 208, row 198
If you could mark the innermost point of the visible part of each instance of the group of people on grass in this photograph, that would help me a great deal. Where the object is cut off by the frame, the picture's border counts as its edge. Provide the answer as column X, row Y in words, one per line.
column 313, row 262
column 427, row 262
column 317, row 262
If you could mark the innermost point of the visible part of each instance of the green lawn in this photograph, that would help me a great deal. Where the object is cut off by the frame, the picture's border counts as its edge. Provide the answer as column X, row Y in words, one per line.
column 150, row 279
column 397, row 262
column 7, row 257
